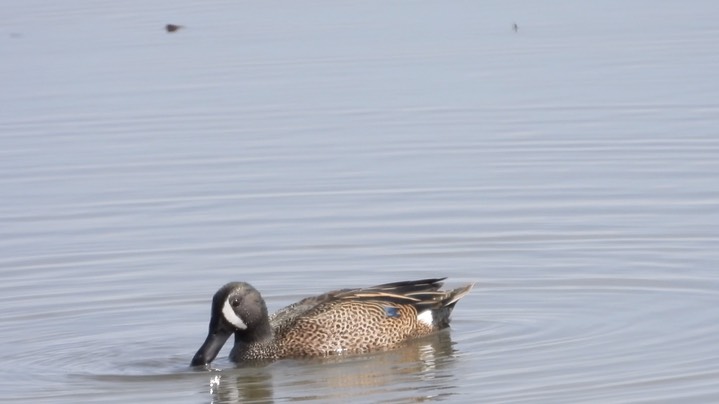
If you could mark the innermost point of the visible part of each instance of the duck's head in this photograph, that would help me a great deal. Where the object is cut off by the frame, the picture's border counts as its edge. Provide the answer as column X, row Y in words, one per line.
column 237, row 308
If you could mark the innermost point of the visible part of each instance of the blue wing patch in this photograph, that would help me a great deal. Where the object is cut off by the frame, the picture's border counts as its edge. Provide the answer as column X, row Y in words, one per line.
column 391, row 311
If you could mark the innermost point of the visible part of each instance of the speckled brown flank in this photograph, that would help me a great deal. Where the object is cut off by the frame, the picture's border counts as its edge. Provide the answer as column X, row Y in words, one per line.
column 348, row 327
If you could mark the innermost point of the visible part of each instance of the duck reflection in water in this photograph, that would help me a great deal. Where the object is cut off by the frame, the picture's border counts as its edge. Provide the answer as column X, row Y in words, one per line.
column 418, row 370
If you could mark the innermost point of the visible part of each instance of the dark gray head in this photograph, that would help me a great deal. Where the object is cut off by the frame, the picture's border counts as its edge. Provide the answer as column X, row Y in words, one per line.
column 236, row 308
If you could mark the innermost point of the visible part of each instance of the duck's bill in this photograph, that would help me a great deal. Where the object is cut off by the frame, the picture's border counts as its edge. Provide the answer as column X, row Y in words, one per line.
column 211, row 347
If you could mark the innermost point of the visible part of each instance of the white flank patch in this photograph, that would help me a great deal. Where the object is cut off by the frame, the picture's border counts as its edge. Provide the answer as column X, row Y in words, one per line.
column 425, row 317
column 232, row 317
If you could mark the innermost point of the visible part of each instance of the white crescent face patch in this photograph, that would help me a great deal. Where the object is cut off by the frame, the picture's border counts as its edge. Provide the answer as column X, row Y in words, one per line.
column 232, row 317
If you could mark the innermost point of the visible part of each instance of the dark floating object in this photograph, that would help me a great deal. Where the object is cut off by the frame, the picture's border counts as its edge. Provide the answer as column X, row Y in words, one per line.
column 172, row 27
column 515, row 27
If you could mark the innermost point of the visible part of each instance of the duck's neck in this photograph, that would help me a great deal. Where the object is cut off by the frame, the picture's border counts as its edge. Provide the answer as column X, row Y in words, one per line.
column 259, row 332
column 248, row 342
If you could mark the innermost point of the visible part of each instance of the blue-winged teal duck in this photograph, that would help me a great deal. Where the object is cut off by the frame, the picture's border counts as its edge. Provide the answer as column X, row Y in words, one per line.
column 347, row 321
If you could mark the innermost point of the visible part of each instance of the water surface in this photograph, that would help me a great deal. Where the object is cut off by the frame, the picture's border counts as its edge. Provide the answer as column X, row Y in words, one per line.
column 570, row 168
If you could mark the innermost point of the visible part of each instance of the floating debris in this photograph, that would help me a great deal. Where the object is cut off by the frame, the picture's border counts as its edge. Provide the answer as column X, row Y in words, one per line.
column 172, row 27
column 515, row 27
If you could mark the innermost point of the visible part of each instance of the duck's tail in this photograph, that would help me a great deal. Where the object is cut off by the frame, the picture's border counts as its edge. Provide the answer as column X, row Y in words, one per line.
column 441, row 314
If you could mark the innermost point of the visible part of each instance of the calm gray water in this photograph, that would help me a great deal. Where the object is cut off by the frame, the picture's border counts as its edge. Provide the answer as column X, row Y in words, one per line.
column 571, row 168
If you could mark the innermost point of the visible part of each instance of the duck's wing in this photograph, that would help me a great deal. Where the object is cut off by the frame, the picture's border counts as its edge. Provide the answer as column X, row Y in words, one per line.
column 422, row 294
column 401, row 291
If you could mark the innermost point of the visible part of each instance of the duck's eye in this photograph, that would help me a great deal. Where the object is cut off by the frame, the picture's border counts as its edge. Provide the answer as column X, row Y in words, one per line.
column 235, row 302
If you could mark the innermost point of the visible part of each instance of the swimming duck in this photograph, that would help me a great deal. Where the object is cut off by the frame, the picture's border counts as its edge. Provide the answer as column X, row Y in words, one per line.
column 346, row 321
